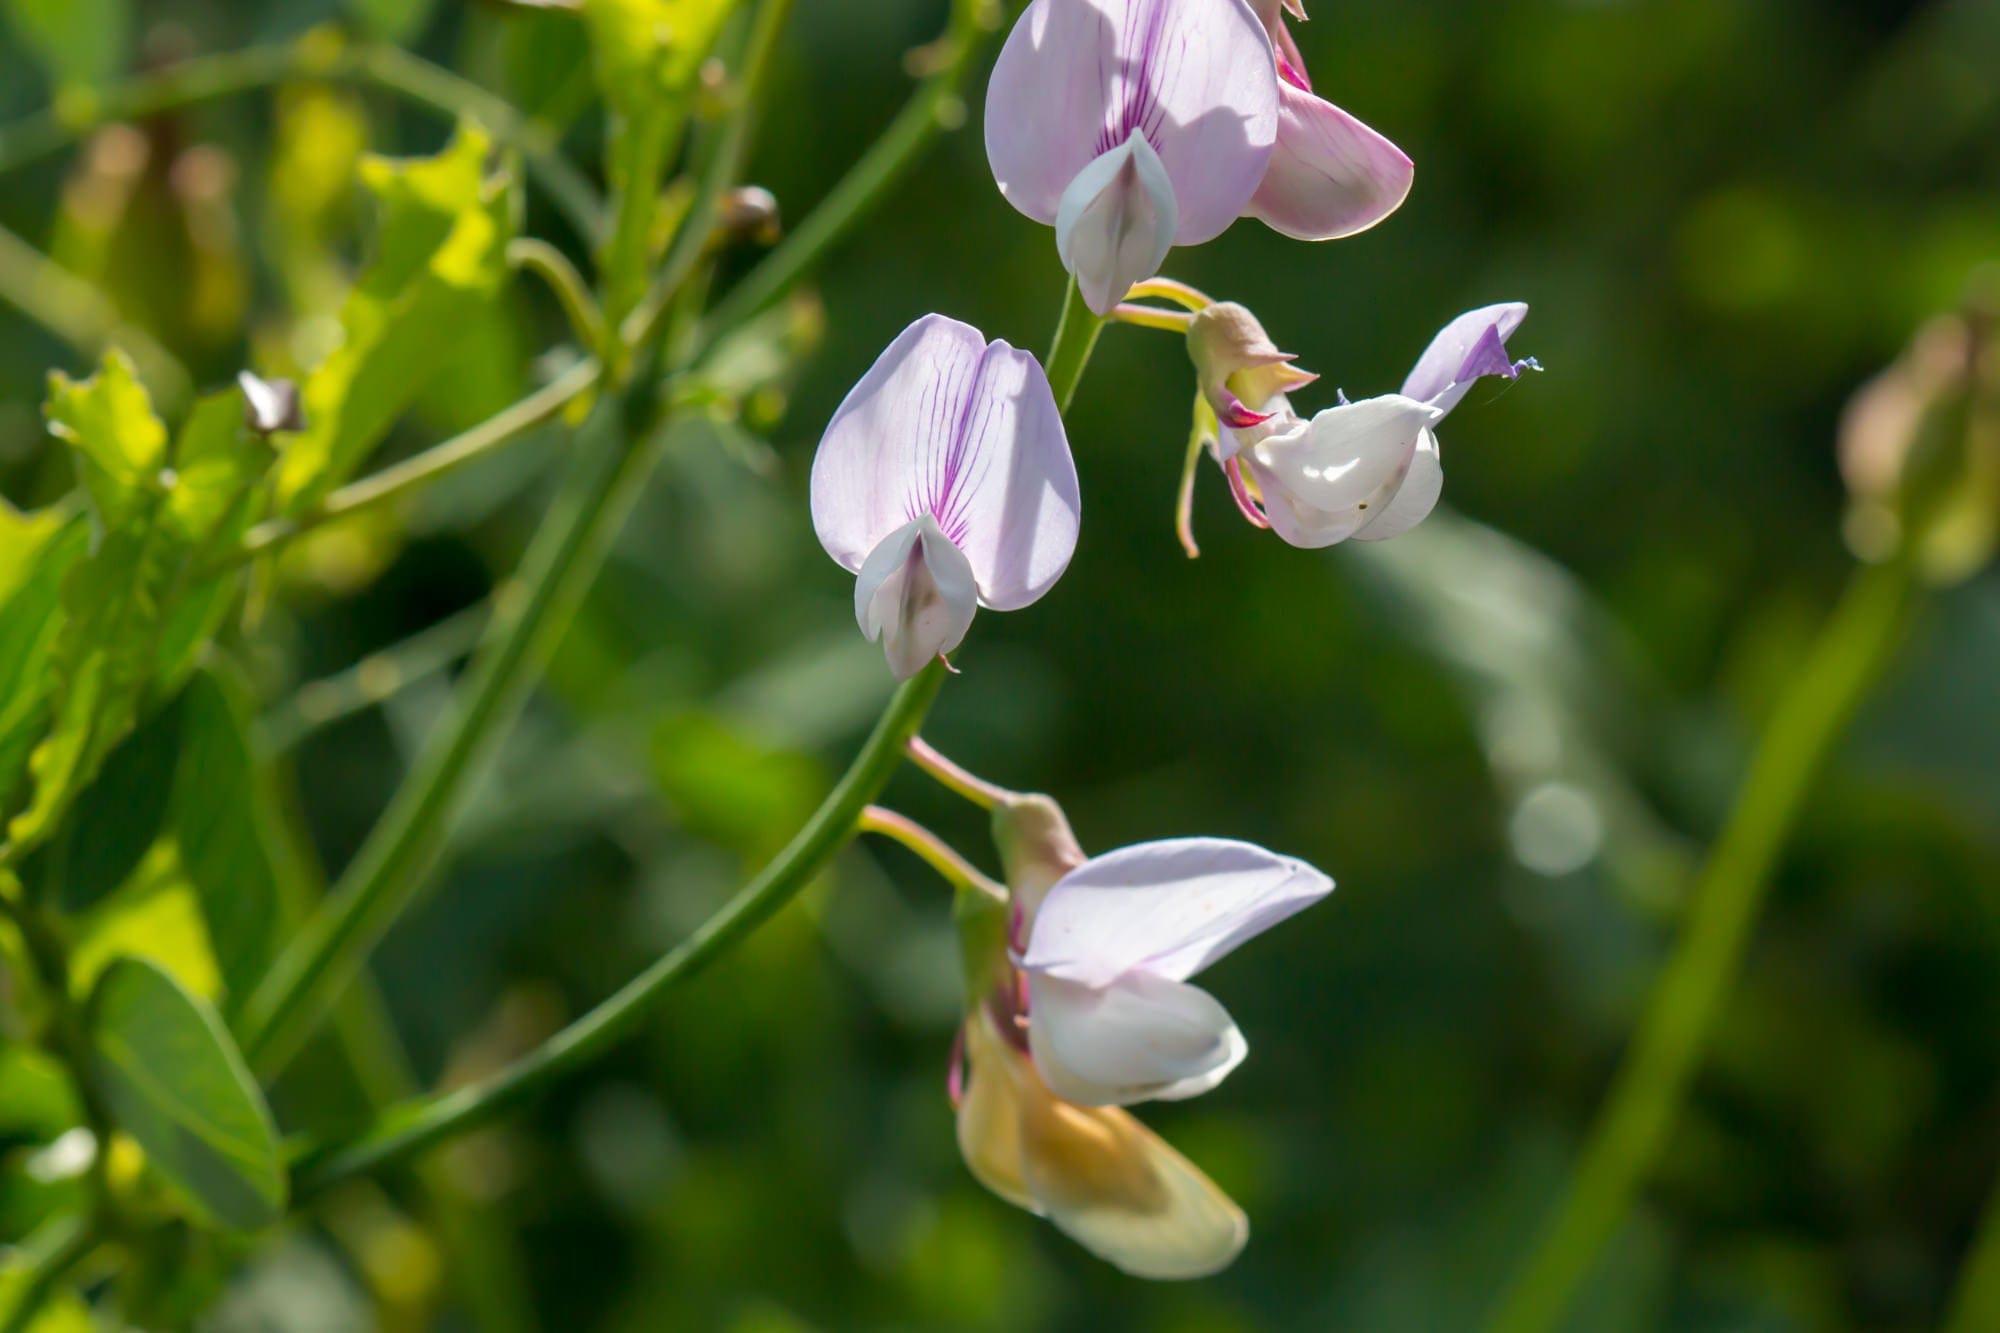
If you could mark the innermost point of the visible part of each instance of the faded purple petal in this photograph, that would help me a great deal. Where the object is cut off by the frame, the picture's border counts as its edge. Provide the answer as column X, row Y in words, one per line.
column 1330, row 175
column 1470, row 347
column 1168, row 908
column 1076, row 78
column 967, row 432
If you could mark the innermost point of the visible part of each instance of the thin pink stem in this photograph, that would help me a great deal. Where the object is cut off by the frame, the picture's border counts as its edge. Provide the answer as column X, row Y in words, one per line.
column 978, row 790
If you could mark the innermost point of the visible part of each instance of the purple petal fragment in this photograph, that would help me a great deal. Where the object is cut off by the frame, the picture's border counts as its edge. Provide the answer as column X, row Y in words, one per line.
column 1470, row 347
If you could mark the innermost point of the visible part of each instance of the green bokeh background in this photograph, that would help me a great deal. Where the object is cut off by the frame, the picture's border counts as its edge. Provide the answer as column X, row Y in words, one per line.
column 1508, row 749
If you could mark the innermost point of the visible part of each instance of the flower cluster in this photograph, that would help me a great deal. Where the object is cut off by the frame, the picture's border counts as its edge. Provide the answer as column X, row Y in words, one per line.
column 945, row 483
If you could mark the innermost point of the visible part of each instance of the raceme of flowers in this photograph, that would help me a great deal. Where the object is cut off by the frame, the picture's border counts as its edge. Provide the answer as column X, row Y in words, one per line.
column 944, row 483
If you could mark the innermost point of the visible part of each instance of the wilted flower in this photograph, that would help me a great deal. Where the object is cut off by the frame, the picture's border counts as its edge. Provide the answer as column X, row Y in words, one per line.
column 1131, row 126
column 1368, row 470
column 944, row 482
column 1330, row 175
column 1089, row 1008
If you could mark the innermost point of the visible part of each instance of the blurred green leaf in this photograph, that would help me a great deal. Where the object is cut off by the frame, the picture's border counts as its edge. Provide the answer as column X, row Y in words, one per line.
column 36, row 552
column 114, row 821
column 78, row 41
column 219, row 819
column 729, row 787
column 36, row 1099
column 440, row 258
column 120, row 441
column 175, row 1082
column 62, row 1312
column 393, row 20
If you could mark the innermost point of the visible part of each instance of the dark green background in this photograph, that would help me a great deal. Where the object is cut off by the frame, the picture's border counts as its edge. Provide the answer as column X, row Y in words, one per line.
column 1725, row 216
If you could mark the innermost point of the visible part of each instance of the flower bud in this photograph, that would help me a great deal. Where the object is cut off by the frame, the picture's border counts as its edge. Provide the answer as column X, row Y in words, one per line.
column 1920, row 449
column 1240, row 370
column 1036, row 847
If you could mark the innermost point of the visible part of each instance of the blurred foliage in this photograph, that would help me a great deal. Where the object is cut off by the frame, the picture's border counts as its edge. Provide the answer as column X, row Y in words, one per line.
column 1505, row 734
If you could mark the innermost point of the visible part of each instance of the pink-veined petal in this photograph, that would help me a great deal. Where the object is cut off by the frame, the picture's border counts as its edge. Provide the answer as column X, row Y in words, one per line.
column 1142, row 1038
column 1414, row 499
column 1330, row 175
column 1470, row 347
column 1076, row 77
column 948, row 425
column 1170, row 908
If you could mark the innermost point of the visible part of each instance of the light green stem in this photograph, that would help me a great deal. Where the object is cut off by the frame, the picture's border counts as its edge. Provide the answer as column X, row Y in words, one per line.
column 610, row 468
column 422, row 1124
column 84, row 317
column 1846, row 660
column 414, row 473
column 1076, row 339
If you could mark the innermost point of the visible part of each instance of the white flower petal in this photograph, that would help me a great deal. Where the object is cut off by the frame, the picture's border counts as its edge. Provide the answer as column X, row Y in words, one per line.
column 1170, row 908
column 916, row 594
column 1142, row 1038
column 1414, row 499
column 1116, row 222
column 1322, row 481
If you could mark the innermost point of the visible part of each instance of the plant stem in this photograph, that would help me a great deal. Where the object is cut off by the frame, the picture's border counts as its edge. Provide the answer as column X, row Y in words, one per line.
column 399, row 479
column 614, row 455
column 315, row 56
column 932, row 109
column 422, row 1124
column 65, row 1243
column 84, row 317
column 934, row 851
column 1630, row 1131
column 949, row 775
column 1076, row 339
column 375, row 678
column 724, row 168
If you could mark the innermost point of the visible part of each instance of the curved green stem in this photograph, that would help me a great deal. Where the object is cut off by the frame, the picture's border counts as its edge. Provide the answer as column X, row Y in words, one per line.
column 1076, row 339
column 614, row 456
column 51, row 1256
column 933, row 108
column 531, row 254
column 1646, row 1097
column 400, row 479
column 84, row 317
column 422, row 1124
column 932, row 850
column 317, row 55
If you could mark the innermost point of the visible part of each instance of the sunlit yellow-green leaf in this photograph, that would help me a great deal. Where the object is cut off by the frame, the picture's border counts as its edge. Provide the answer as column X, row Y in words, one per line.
column 36, row 553
column 157, row 916
column 440, row 259
column 120, row 442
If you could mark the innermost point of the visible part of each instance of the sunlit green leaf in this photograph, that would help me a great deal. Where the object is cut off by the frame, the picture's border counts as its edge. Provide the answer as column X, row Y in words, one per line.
column 393, row 20
column 157, row 915
column 62, row 1312
column 36, row 1097
column 440, row 258
column 174, row 1081
column 120, row 442
column 78, row 41
column 34, row 558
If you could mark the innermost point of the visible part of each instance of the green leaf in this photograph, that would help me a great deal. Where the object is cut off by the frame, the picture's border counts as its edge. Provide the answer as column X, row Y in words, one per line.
column 36, row 553
column 62, row 1312
column 78, row 41
column 218, row 463
column 36, row 1099
column 114, row 822
column 172, row 1079
column 393, row 20
column 121, row 443
column 647, row 54
column 441, row 258
column 156, row 916
column 221, row 819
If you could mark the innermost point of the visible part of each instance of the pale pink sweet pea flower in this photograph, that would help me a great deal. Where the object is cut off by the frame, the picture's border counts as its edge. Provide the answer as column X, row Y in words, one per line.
column 945, row 483
column 1330, row 175
column 1369, row 470
column 1112, row 1018
column 1132, row 126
